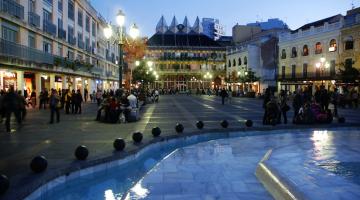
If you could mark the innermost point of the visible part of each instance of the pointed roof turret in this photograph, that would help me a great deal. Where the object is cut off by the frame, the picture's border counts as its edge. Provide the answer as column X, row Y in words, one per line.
column 198, row 28
column 187, row 27
column 173, row 27
column 161, row 26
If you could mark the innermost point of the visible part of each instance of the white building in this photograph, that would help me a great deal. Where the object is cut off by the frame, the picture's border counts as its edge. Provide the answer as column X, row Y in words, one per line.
column 308, row 56
column 55, row 44
column 213, row 28
column 258, row 55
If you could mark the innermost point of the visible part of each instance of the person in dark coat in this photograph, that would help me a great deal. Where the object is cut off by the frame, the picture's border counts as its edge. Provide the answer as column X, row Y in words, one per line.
column 55, row 105
column 78, row 102
column 73, row 100
column 297, row 103
column 223, row 95
column 267, row 98
column 11, row 105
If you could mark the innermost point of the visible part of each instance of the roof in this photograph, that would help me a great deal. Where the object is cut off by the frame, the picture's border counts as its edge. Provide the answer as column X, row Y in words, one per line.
column 329, row 20
column 181, row 39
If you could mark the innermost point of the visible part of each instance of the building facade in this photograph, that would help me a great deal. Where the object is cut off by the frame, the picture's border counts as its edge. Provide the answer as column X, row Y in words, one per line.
column 274, row 23
column 309, row 56
column 212, row 28
column 184, row 57
column 55, row 44
column 255, row 55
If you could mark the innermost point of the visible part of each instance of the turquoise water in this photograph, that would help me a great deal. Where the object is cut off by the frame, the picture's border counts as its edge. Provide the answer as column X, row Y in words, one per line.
column 223, row 167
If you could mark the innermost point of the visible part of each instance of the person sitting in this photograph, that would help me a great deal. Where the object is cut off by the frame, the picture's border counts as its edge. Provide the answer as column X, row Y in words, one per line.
column 272, row 112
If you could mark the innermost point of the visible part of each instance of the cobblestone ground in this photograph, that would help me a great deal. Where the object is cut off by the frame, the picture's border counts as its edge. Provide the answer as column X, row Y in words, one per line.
column 58, row 141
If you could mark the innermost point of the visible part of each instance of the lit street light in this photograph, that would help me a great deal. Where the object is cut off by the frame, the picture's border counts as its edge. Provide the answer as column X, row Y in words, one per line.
column 322, row 65
column 119, row 37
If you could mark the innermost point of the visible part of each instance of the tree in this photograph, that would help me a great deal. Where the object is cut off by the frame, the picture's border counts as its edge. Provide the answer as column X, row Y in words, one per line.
column 141, row 74
column 249, row 77
column 348, row 74
column 134, row 49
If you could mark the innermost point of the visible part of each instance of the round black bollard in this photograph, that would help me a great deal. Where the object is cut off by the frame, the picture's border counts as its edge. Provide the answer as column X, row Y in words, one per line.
column 137, row 137
column 156, row 131
column 38, row 164
column 200, row 124
column 224, row 123
column 81, row 152
column 179, row 128
column 249, row 123
column 119, row 144
column 4, row 184
column 341, row 120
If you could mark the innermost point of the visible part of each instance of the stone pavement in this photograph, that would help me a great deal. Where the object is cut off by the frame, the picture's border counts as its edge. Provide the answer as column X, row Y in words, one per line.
column 57, row 142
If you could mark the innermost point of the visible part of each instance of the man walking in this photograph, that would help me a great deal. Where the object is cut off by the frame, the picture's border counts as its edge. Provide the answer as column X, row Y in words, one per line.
column 54, row 106
column 223, row 95
column 11, row 105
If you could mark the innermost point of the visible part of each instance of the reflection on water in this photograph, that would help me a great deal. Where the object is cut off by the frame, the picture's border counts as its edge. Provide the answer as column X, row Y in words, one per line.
column 323, row 145
column 349, row 170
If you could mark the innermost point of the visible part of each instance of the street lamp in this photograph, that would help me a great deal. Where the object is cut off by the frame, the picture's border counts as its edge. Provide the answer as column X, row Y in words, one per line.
column 119, row 37
column 322, row 65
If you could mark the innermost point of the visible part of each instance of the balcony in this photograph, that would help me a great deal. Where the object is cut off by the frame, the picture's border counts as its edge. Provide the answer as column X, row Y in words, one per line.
column 88, row 48
column 12, row 8
column 13, row 50
column 34, row 19
column 61, row 33
column 81, row 44
column 71, row 39
column 97, row 70
column 49, row 27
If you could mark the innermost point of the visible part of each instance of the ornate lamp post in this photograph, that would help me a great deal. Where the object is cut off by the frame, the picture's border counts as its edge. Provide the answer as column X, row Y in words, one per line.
column 119, row 37
column 322, row 65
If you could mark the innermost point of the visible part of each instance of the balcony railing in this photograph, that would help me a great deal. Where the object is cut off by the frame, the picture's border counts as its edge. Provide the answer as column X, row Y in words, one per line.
column 309, row 76
column 34, row 19
column 13, row 50
column 97, row 70
column 49, row 27
column 12, row 8
column 81, row 44
column 88, row 48
column 71, row 39
column 61, row 33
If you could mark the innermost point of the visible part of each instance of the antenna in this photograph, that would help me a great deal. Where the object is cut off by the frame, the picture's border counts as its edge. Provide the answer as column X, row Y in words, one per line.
column 352, row 5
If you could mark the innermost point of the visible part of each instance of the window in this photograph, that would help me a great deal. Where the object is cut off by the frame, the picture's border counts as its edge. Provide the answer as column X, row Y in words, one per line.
column 31, row 40
column 93, row 29
column 293, row 52
column 332, row 68
column 229, row 63
column 10, row 33
column 71, row 12
column 293, row 71
column 318, row 48
column 87, row 23
column 305, row 50
column 70, row 55
column 239, row 61
column 60, row 5
column 283, row 54
column 60, row 50
column 332, row 45
column 47, row 15
column 283, row 72
column 245, row 60
column 80, row 18
column 305, row 66
column 60, row 23
column 48, row 1
column 47, row 46
column 234, row 62
column 349, row 43
column 32, row 6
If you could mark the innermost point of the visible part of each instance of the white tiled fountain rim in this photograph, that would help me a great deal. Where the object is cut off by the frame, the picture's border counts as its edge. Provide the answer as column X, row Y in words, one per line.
column 116, row 163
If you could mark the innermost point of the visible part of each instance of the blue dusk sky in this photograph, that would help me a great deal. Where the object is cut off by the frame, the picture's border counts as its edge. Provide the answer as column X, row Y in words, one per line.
column 146, row 13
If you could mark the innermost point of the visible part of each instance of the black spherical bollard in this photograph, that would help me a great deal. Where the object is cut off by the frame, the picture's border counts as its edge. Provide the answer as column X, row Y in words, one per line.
column 200, row 124
column 137, row 137
column 119, row 144
column 4, row 184
column 224, row 123
column 341, row 120
column 249, row 123
column 156, row 131
column 179, row 128
column 81, row 152
column 38, row 164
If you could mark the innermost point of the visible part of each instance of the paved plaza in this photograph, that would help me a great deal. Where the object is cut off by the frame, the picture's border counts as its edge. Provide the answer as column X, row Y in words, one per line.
column 57, row 142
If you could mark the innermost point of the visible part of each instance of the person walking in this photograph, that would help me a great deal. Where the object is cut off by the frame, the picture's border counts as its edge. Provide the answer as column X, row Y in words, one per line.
column 335, row 100
column 267, row 98
column 283, row 106
column 67, row 101
column 78, row 102
column 223, row 95
column 73, row 100
column 98, row 97
column 22, row 105
column 55, row 105
column 297, row 102
column 86, row 93
column 11, row 105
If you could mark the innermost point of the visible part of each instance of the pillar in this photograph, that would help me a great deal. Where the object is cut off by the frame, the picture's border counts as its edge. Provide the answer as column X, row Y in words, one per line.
column 64, row 82
column 20, row 81
column 52, row 81
column 83, row 86
column 73, row 87
column 37, row 86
